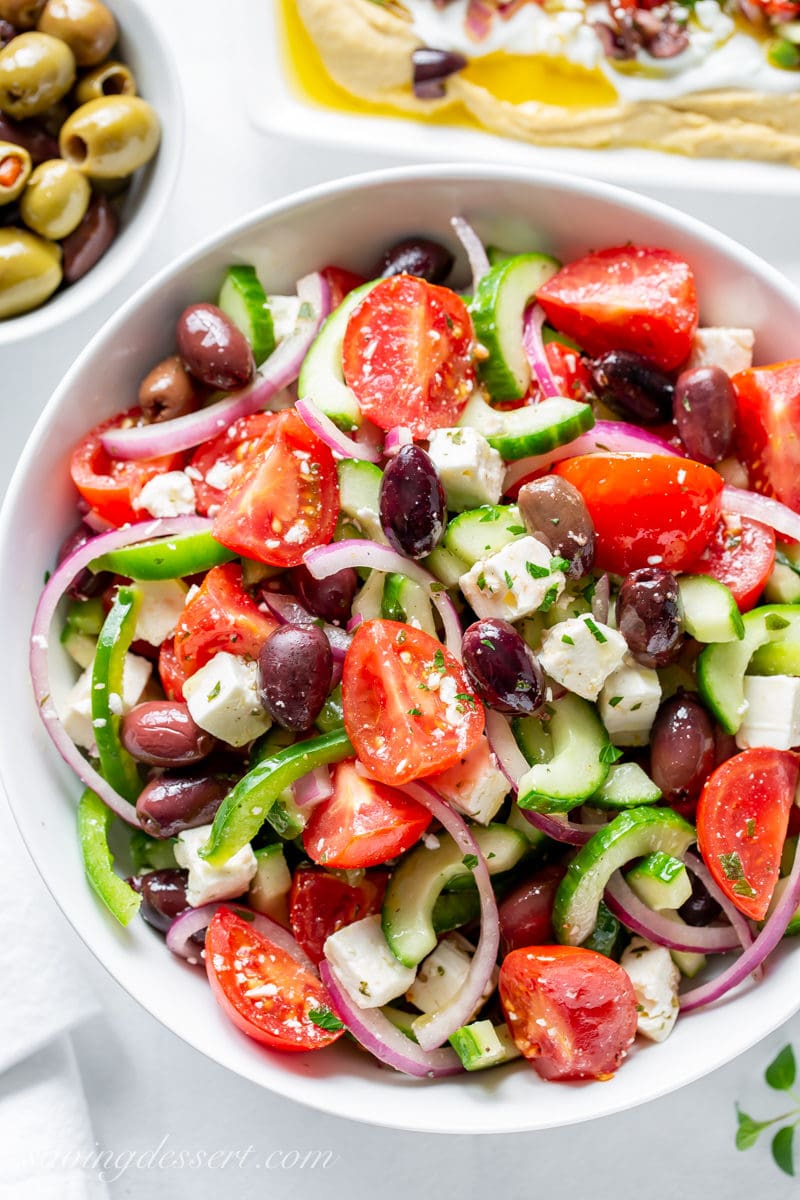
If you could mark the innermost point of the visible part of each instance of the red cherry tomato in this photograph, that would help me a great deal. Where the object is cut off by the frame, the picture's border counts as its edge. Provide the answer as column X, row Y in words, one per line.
column 170, row 671
column 220, row 617
column 768, row 429
column 226, row 453
column 741, row 554
column 112, row 485
column 286, row 499
column 742, row 817
column 341, row 282
column 626, row 298
column 408, row 355
column 526, row 914
column 263, row 990
column 409, row 709
column 571, row 1011
column 569, row 371
column 648, row 510
column 363, row 824
column 320, row 903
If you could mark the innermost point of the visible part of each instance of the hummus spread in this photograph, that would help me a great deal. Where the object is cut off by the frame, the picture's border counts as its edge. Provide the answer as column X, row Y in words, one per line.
column 692, row 102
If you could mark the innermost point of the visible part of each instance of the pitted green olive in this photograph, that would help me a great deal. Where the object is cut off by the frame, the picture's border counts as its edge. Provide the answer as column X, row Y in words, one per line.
column 15, row 167
column 109, row 79
column 55, row 200
column 30, row 271
column 36, row 70
column 110, row 138
column 23, row 14
column 87, row 26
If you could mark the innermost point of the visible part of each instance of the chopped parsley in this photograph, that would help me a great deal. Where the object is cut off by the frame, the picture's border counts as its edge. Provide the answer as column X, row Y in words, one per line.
column 481, row 582
column 550, row 597
column 610, row 754
column 491, row 514
column 774, row 621
column 595, row 631
column 743, row 888
column 466, row 698
column 567, row 640
column 401, row 637
column 615, row 700
column 509, row 580
column 323, row 1018
column 438, row 660
column 488, row 643
column 414, row 712
column 635, row 707
column 731, row 865
column 215, row 691
column 559, row 564
column 535, row 571
column 470, row 861
column 751, row 827
column 515, row 528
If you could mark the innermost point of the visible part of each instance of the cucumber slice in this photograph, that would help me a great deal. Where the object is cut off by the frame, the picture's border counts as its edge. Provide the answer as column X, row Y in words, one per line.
column 577, row 769
column 79, row 646
column 446, row 566
column 421, row 876
column 285, row 817
column 533, row 738
column 407, row 601
column 793, row 928
column 369, row 599
column 537, row 841
column 244, row 300
column 322, row 375
column 331, row 715
column 783, row 585
column 475, row 535
column 710, row 613
column 631, row 834
column 452, row 910
column 86, row 616
column 534, row 429
column 483, row 1044
column 627, row 786
column 271, row 884
column 359, row 495
column 498, row 309
column 721, row 667
column 660, row 881
column 606, row 937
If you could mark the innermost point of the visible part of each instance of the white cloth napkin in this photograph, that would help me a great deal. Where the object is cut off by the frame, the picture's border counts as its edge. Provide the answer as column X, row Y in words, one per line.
column 45, row 1131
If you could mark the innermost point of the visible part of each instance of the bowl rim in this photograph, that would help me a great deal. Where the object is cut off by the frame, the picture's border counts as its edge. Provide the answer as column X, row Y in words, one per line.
column 138, row 231
column 295, row 1085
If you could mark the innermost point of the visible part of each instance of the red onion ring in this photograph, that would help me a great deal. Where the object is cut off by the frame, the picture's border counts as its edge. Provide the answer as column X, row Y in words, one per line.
column 395, row 439
column 55, row 588
column 184, row 927
column 311, row 789
column 473, row 246
column 616, row 437
column 334, row 439
column 535, row 351
column 640, row 918
column 290, row 611
column 280, row 369
column 761, row 508
column 510, row 759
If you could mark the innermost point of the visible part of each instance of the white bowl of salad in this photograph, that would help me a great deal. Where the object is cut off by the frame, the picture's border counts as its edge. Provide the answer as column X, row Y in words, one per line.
column 420, row 623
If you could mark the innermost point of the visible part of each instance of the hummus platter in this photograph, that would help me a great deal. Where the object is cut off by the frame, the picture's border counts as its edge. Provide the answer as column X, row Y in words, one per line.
column 704, row 79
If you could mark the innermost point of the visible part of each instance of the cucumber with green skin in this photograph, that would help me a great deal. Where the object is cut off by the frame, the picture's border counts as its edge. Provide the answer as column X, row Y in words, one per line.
column 446, row 566
column 482, row 1044
column 407, row 601
column 534, row 429
column 476, row 534
column 243, row 299
column 660, row 881
column 359, row 495
column 322, row 373
column 710, row 613
column 577, row 768
column 626, row 786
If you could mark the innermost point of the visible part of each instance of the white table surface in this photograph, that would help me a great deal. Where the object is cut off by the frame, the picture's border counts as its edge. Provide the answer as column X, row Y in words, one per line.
column 145, row 1088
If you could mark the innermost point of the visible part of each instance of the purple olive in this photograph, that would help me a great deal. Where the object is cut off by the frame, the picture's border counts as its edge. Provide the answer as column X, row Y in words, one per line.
column 294, row 675
column 417, row 256
column 431, row 67
column 163, row 896
column 701, row 908
column 213, row 349
column 504, row 671
column 682, row 748
column 705, row 413
column 87, row 244
column 554, row 511
column 631, row 385
column 86, row 583
column 163, row 734
column 331, row 598
column 648, row 616
column 412, row 503
column 171, row 803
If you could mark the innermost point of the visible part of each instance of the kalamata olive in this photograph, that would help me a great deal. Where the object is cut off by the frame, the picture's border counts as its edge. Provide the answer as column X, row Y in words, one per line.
column 526, row 913
column 412, row 503
column 89, row 242
column 171, row 803
column 36, row 140
column 554, row 511
column 431, row 68
column 504, row 671
column 631, row 385
column 417, row 256
column 213, row 349
column 682, row 748
column 86, row 583
column 168, row 391
column 705, row 412
column 648, row 616
column 294, row 675
column 331, row 598
column 163, row 734
column 163, row 896
column 701, row 908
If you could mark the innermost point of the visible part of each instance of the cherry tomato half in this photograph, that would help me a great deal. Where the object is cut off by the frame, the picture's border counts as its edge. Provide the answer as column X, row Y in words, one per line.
column 626, row 298
column 526, row 914
column 648, row 509
column 220, row 617
column 408, row 355
column 223, row 455
column 320, row 903
column 170, row 671
column 409, row 709
column 571, row 1011
column 768, row 429
column 741, row 554
column 341, row 282
column 263, row 990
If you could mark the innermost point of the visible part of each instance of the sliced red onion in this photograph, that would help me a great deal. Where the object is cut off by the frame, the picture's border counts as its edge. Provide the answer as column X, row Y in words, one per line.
column 396, row 438
column 473, row 246
column 384, row 1040
column 738, row 921
column 535, row 351
column 615, row 437
column 560, row 828
column 773, row 930
column 503, row 745
column 56, row 586
column 311, row 789
column 334, row 439
column 323, row 561
column 290, row 611
column 370, row 437
column 280, row 369
column 640, row 918
column 354, row 622
column 194, row 920
column 761, row 508
column 96, row 522
column 451, row 623
column 601, row 599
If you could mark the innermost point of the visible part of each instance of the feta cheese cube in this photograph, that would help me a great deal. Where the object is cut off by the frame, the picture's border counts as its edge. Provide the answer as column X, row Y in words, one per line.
column 731, row 349
column 223, row 699
column 75, row 710
column 772, row 715
column 167, row 495
column 207, row 883
column 514, row 582
column 442, row 974
column 163, row 602
column 360, row 958
column 474, row 785
column 581, row 653
column 628, row 704
column 655, row 980
column 285, row 311
column 471, row 471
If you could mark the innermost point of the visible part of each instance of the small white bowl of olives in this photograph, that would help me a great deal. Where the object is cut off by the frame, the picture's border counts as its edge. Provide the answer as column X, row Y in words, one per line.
column 90, row 129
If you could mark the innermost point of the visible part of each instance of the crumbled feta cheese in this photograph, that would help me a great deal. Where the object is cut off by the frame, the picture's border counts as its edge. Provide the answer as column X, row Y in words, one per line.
column 75, row 711
column 655, row 980
column 223, row 699
column 221, row 474
column 163, row 602
column 514, row 582
column 772, row 713
column 628, row 704
column 442, row 975
column 285, row 311
column 207, row 883
column 167, row 495
column 581, row 653
column 363, row 963
column 731, row 349
column 474, row 785
column 471, row 471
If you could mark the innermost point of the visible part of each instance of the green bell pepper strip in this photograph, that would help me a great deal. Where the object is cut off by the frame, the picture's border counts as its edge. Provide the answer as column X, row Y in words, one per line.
column 116, row 764
column 165, row 558
column 244, row 810
column 94, row 818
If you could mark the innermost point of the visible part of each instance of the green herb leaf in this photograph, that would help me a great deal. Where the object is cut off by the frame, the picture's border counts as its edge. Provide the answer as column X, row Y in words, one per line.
column 438, row 660
column 550, row 597
column 748, row 1130
column 535, row 571
column 515, row 528
column 782, row 1071
column 414, row 712
column 488, row 643
column 491, row 514
column 212, row 695
column 783, row 1149
column 596, row 632
column 325, row 1019
column 559, row 564
column 774, row 621
column 750, row 826
column 731, row 865
column 509, row 581
column 568, row 641
column 470, row 861
column 614, row 701
column 481, row 582
column 610, row 754
column 743, row 888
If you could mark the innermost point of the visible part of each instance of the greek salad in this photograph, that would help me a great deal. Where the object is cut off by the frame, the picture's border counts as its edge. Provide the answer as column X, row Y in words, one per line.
column 439, row 651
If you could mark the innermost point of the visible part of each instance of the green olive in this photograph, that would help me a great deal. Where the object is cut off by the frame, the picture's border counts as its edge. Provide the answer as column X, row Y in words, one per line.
column 36, row 70
column 15, row 167
column 55, row 200
column 109, row 79
column 87, row 26
column 23, row 14
column 111, row 137
column 30, row 271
